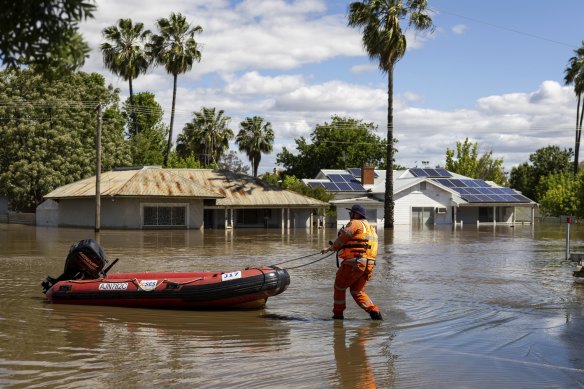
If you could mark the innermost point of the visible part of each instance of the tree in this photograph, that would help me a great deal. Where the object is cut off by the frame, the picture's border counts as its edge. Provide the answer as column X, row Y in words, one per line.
column 47, row 138
column 254, row 138
column 124, row 54
column 574, row 74
column 340, row 144
column 148, row 112
column 545, row 161
column 43, row 34
column 466, row 161
column 231, row 162
column 149, row 145
column 296, row 185
column 385, row 42
column 176, row 161
column 174, row 48
column 562, row 194
column 206, row 136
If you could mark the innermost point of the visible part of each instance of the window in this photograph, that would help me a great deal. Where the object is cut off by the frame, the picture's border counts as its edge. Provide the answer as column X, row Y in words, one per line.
column 423, row 185
column 159, row 215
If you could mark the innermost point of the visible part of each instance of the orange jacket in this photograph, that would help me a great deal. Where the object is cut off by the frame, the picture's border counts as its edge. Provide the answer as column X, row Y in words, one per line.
column 357, row 240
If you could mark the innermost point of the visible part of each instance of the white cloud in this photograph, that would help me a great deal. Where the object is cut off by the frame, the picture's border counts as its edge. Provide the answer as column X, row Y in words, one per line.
column 364, row 68
column 459, row 29
column 255, row 58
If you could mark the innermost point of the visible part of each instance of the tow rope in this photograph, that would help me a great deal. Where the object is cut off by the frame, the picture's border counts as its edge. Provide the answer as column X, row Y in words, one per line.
column 305, row 264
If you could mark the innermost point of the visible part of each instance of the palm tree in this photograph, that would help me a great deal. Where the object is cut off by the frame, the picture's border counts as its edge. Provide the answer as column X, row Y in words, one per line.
column 124, row 54
column 254, row 138
column 176, row 49
column 574, row 74
column 385, row 42
column 207, row 135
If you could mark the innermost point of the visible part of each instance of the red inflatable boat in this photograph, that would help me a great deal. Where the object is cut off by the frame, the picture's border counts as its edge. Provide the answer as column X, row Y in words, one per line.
column 85, row 281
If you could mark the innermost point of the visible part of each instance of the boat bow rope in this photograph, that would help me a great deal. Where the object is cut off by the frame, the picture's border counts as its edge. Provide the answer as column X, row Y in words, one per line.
column 305, row 264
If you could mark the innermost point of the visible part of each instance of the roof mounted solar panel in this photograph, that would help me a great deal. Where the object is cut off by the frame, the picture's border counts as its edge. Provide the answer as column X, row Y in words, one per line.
column 417, row 172
column 330, row 186
column 443, row 173
column 347, row 178
column 343, row 186
column 355, row 172
column 336, row 178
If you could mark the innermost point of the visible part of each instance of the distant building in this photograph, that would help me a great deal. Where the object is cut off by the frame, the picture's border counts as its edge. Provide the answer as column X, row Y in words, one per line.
column 423, row 196
column 156, row 198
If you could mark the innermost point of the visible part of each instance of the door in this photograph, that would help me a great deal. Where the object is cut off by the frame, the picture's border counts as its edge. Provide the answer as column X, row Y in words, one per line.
column 422, row 215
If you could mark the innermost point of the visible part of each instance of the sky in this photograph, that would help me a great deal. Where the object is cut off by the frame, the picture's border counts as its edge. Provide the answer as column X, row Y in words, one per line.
column 490, row 71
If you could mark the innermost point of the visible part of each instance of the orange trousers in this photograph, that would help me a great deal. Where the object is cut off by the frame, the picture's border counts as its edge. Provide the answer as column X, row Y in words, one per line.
column 353, row 275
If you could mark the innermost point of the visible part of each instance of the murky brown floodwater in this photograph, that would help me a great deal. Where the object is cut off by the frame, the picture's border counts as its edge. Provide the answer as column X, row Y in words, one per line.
column 488, row 307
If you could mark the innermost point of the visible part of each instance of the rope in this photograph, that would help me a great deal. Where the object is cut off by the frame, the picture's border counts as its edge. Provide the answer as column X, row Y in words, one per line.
column 295, row 259
column 310, row 263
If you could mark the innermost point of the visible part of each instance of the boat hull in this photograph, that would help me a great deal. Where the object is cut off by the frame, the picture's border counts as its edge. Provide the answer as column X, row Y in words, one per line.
column 244, row 289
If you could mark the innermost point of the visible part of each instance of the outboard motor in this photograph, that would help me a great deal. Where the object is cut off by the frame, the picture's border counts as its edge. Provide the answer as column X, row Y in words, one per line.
column 86, row 260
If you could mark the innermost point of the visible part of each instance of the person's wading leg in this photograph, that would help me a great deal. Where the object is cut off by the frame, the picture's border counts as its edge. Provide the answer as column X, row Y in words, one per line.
column 346, row 276
column 358, row 290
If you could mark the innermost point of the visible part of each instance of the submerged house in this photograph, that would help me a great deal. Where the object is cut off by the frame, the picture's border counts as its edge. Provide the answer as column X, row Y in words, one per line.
column 424, row 196
column 156, row 198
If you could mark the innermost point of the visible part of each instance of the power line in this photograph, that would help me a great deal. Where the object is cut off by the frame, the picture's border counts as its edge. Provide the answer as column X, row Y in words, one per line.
column 505, row 28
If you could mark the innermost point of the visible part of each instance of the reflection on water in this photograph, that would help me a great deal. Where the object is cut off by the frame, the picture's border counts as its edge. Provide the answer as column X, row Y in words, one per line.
column 463, row 307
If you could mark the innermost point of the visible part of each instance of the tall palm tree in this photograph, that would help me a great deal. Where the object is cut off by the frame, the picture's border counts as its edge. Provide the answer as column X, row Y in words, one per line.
column 385, row 42
column 207, row 135
column 574, row 74
column 124, row 54
column 254, row 138
column 174, row 48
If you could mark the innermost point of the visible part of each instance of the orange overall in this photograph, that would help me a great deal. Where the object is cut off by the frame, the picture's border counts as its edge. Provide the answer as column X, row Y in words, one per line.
column 357, row 246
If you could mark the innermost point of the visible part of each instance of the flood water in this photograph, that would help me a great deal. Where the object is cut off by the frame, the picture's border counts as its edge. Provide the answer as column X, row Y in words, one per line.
column 471, row 307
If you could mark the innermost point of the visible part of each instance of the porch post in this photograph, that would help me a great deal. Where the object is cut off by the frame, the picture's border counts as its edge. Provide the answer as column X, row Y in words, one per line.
column 494, row 215
column 283, row 215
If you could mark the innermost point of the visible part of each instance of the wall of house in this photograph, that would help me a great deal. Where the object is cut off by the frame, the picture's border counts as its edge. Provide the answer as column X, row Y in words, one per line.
column 47, row 214
column 122, row 213
column 374, row 215
column 467, row 215
column 431, row 197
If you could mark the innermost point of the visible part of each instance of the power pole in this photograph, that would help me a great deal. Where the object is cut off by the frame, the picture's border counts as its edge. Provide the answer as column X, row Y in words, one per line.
column 98, row 170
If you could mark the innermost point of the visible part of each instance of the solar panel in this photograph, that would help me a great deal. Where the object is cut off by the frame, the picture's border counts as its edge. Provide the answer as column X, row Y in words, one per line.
column 478, row 191
column 344, row 186
column 336, row 178
column 356, row 186
column 355, row 172
column 330, row 186
column 443, row 173
column 427, row 172
column 446, row 182
column 418, row 172
column 348, row 178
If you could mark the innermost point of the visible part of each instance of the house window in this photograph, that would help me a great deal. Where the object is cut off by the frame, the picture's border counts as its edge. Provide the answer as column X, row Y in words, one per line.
column 422, row 185
column 159, row 215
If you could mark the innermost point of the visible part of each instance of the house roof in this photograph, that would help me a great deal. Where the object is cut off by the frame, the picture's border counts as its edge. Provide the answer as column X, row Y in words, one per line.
column 229, row 189
column 464, row 190
column 242, row 190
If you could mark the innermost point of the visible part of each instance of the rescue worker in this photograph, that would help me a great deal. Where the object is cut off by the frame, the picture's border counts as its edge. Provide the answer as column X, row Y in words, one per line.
column 356, row 245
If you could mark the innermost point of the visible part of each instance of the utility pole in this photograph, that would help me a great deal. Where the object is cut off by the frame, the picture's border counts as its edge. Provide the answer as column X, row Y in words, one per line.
column 98, row 170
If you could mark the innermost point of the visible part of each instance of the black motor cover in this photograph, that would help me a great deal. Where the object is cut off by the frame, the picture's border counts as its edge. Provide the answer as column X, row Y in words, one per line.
column 85, row 260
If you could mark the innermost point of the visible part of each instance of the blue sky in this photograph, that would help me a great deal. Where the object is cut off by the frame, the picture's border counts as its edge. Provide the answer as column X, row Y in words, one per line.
column 491, row 71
